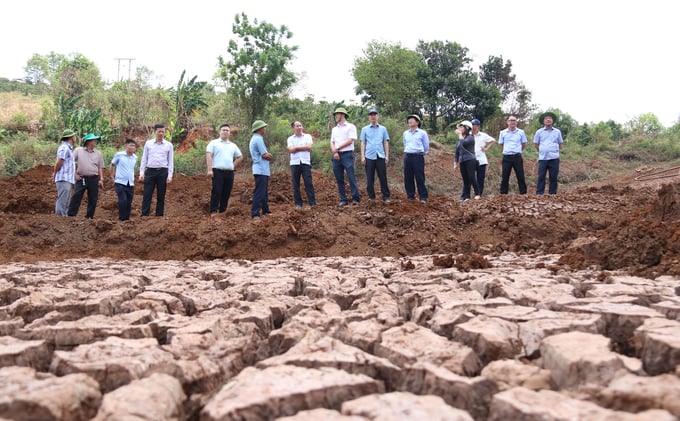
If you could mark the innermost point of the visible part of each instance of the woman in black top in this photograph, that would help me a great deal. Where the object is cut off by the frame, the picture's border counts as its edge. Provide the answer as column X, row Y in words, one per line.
column 465, row 157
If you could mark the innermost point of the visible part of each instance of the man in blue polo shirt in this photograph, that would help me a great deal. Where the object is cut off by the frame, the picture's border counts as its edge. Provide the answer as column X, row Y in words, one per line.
column 261, row 171
column 548, row 140
column 416, row 146
column 122, row 170
column 375, row 155
column 513, row 140
column 222, row 157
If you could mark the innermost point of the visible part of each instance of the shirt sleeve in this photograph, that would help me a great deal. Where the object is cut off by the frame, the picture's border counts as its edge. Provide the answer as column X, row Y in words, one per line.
column 145, row 158
column 171, row 160
column 426, row 142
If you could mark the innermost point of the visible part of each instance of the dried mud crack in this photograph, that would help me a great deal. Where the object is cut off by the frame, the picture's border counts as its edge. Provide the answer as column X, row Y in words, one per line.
column 513, row 307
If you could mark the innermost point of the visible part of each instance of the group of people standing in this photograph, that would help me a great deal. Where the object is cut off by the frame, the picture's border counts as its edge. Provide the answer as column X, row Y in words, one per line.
column 81, row 170
column 223, row 156
column 472, row 145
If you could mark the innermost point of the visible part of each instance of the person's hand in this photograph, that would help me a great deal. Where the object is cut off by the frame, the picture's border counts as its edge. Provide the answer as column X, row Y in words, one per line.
column 210, row 172
column 141, row 177
column 387, row 160
column 101, row 183
column 363, row 161
column 336, row 156
column 268, row 156
column 169, row 180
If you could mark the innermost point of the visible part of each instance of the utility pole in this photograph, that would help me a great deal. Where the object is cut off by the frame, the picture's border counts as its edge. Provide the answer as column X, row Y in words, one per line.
column 129, row 67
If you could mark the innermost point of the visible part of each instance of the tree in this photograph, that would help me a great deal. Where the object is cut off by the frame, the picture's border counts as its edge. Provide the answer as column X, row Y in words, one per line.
column 645, row 125
column 387, row 77
column 515, row 97
column 41, row 69
column 134, row 103
column 78, row 76
column 258, row 68
column 188, row 98
column 451, row 89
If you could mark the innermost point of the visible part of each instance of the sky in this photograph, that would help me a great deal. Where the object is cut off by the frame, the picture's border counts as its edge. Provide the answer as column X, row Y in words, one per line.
column 595, row 60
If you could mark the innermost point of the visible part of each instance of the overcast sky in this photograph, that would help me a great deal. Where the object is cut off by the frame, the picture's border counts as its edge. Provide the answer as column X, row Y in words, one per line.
column 595, row 60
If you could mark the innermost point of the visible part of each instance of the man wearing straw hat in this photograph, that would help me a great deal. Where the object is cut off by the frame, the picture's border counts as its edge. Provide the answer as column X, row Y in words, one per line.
column 548, row 140
column 64, row 174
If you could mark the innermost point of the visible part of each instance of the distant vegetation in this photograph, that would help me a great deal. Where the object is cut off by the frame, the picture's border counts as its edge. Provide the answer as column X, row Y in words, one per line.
column 253, row 81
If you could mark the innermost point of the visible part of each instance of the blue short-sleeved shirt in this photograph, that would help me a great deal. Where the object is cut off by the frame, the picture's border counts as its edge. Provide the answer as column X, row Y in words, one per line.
column 512, row 141
column 548, row 142
column 416, row 141
column 374, row 136
column 125, row 168
column 257, row 149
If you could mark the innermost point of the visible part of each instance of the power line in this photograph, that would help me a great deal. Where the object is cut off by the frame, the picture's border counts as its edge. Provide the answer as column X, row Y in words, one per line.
column 129, row 67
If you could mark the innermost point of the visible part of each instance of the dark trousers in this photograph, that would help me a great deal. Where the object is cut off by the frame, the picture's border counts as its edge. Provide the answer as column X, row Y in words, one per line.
column 552, row 167
column 260, row 196
column 513, row 162
column 414, row 175
column 222, row 183
column 346, row 164
column 374, row 166
column 154, row 178
column 481, row 176
column 91, row 184
column 304, row 171
column 125, row 194
column 467, row 171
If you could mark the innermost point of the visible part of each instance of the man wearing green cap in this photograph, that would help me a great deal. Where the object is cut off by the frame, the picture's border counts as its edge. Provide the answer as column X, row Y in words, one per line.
column 343, row 136
column 548, row 140
column 261, row 172
column 64, row 174
column 89, row 176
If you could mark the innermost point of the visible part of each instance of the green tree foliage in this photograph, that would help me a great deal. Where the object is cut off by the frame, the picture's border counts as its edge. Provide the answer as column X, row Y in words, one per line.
column 515, row 97
column 188, row 98
column 135, row 103
column 77, row 76
column 41, row 69
column 257, row 70
column 83, row 120
column 387, row 77
column 451, row 89
column 644, row 125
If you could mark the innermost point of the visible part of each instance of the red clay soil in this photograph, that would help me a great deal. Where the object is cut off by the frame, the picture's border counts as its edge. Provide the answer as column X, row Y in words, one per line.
column 613, row 224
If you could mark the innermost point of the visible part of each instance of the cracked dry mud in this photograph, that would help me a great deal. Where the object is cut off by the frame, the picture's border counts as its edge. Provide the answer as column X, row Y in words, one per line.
column 514, row 307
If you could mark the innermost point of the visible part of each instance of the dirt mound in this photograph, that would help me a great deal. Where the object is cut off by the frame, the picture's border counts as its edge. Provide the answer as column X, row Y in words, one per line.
column 611, row 224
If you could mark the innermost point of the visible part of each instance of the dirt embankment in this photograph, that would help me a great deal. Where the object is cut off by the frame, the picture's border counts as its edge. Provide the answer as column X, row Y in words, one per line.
column 613, row 224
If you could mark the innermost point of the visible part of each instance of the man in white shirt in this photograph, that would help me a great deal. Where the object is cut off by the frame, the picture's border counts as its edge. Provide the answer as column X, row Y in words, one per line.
column 299, row 146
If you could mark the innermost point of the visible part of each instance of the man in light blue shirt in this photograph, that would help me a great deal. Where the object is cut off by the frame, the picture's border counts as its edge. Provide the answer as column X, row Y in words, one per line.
column 416, row 146
column 513, row 140
column 261, row 158
column 221, row 158
column 548, row 140
column 375, row 155
column 122, row 170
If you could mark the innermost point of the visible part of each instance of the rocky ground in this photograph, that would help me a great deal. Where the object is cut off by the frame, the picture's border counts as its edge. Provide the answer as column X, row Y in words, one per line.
column 513, row 307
